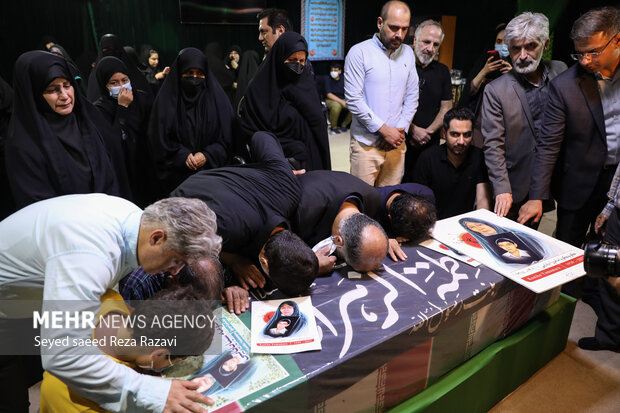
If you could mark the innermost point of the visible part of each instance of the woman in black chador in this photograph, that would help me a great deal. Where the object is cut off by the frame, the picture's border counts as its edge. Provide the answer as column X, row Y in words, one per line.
column 111, row 45
column 127, row 109
column 191, row 121
column 286, row 321
column 282, row 99
column 58, row 142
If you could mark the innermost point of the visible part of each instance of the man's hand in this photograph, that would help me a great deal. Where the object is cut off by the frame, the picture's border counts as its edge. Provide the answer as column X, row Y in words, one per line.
column 183, row 398
column 247, row 274
column 326, row 262
column 237, row 299
column 392, row 136
column 420, row 136
column 503, row 202
column 395, row 251
column 299, row 172
column 531, row 209
column 599, row 224
column 125, row 97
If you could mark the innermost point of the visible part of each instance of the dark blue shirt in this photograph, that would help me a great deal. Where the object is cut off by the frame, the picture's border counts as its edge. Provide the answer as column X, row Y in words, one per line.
column 335, row 86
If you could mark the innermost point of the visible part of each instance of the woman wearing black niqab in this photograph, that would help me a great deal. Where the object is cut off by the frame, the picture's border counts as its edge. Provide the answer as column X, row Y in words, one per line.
column 56, row 150
column 191, row 119
column 128, row 112
column 285, row 102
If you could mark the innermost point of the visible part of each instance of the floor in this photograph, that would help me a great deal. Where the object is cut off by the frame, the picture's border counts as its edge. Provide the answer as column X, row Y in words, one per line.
column 575, row 381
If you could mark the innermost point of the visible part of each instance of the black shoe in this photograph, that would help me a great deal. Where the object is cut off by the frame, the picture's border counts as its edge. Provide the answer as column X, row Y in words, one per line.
column 592, row 344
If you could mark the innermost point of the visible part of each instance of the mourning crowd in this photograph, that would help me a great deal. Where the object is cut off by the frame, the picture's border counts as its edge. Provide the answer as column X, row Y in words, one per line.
column 211, row 178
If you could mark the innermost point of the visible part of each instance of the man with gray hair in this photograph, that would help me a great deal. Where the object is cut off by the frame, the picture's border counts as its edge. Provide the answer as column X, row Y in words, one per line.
column 361, row 242
column 435, row 93
column 337, row 205
column 75, row 247
column 381, row 91
column 512, row 109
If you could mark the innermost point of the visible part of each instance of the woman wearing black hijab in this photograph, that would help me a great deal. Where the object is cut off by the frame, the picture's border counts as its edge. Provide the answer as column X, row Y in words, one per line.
column 248, row 66
column 127, row 110
column 110, row 45
column 191, row 121
column 282, row 99
column 57, row 140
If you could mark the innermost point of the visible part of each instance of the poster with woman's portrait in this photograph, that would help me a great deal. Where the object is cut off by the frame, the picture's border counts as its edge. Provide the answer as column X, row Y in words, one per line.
column 233, row 377
column 284, row 326
column 524, row 255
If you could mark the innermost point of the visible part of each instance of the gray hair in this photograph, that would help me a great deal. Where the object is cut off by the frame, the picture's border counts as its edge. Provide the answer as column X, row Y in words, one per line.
column 190, row 226
column 429, row 22
column 604, row 20
column 527, row 25
column 351, row 229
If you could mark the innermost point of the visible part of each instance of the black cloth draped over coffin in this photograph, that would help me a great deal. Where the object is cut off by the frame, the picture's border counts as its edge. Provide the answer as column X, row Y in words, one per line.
column 49, row 155
column 131, row 124
column 286, row 104
column 183, row 123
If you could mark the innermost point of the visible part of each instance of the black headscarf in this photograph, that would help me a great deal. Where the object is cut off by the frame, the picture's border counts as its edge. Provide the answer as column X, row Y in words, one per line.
column 7, row 206
column 131, row 123
column 248, row 66
column 474, row 101
column 279, row 101
column 183, row 123
column 110, row 45
column 217, row 66
column 47, row 154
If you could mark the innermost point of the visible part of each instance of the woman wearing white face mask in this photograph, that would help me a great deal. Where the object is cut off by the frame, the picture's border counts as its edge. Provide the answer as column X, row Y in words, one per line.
column 127, row 109
column 487, row 68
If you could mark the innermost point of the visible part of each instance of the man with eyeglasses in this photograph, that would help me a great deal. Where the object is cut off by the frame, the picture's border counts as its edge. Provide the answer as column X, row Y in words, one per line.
column 435, row 89
column 578, row 152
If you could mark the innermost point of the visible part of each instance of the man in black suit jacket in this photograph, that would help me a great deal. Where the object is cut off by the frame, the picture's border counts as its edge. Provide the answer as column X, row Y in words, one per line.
column 572, row 161
column 252, row 203
column 339, row 205
column 581, row 138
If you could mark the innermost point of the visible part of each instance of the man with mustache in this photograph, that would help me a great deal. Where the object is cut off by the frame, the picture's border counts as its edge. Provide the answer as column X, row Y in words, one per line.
column 512, row 109
column 381, row 91
column 580, row 140
column 455, row 171
column 435, row 89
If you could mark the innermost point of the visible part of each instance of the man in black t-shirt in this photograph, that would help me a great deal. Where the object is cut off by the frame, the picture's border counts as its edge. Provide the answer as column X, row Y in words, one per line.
column 455, row 171
column 435, row 89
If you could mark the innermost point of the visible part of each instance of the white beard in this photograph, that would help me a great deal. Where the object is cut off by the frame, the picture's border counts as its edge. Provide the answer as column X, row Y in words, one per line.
column 531, row 67
column 422, row 58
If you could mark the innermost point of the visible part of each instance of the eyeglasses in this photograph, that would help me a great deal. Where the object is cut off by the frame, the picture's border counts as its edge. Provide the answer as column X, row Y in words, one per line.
column 591, row 55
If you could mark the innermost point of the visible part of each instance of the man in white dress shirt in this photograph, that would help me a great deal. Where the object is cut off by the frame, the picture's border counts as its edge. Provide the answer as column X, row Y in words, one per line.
column 381, row 91
column 75, row 247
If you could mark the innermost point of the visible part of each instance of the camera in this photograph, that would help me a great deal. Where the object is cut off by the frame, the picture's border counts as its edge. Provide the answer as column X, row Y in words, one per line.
column 601, row 259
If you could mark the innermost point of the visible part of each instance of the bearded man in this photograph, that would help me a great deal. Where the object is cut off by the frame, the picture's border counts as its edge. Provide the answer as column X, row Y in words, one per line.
column 435, row 93
column 381, row 91
column 512, row 109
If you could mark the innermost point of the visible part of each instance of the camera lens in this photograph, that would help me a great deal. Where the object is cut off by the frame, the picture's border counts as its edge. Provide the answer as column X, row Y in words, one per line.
column 601, row 260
